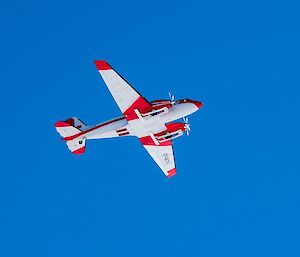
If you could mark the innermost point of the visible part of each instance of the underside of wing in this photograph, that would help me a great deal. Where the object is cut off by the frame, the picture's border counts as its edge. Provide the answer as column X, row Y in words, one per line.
column 132, row 104
column 163, row 155
column 126, row 97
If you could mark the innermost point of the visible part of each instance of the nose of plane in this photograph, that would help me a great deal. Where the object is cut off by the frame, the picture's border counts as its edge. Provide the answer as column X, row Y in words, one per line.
column 198, row 104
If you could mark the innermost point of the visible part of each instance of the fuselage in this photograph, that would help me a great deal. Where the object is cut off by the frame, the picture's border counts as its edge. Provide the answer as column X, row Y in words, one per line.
column 155, row 121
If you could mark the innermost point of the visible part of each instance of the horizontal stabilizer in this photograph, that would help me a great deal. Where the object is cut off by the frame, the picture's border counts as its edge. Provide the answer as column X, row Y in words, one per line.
column 71, row 127
column 77, row 145
column 65, row 129
column 77, row 123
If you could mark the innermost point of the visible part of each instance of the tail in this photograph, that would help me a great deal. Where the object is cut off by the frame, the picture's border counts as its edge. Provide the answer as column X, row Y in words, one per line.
column 71, row 127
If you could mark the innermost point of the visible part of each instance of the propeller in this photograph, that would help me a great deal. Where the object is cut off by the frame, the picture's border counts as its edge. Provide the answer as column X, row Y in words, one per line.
column 187, row 126
column 172, row 98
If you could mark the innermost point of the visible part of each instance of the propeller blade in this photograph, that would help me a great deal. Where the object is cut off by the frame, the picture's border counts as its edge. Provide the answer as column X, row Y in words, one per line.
column 186, row 119
column 187, row 125
column 172, row 97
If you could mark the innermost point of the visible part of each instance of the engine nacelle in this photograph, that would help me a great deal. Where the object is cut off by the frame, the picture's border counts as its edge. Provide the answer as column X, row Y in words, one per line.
column 151, row 113
column 171, row 127
column 157, row 104
column 169, row 136
column 173, row 131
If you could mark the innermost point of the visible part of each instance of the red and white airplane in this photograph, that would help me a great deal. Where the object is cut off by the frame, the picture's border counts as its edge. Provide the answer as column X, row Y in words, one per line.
column 149, row 121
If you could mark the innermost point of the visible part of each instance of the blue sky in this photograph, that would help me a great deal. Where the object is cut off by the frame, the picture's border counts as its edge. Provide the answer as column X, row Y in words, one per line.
column 237, row 189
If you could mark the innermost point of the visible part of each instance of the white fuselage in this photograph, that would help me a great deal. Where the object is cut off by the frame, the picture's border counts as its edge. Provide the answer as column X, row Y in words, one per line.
column 139, row 127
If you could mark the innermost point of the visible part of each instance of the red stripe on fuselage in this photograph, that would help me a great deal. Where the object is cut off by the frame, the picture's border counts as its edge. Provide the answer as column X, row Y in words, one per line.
column 91, row 129
column 124, row 133
column 121, row 130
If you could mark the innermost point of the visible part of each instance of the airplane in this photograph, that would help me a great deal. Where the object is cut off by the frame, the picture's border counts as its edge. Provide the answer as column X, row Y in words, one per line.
column 151, row 122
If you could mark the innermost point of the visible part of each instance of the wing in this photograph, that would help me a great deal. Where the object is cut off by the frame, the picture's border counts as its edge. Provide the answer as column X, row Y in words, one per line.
column 163, row 155
column 126, row 97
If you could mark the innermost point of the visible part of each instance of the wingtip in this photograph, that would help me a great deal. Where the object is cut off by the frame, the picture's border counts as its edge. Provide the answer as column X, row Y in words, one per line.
column 79, row 151
column 171, row 173
column 102, row 65
column 60, row 124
